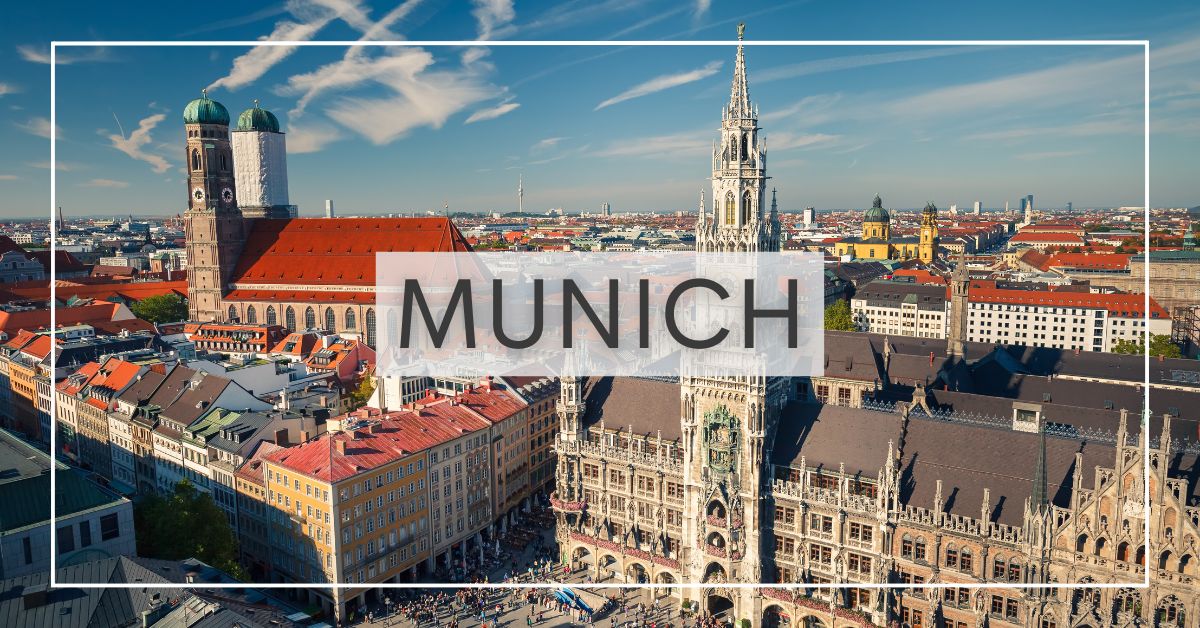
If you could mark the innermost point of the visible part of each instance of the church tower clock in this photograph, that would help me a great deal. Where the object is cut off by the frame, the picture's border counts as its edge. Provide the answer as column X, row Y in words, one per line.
column 214, row 227
column 728, row 423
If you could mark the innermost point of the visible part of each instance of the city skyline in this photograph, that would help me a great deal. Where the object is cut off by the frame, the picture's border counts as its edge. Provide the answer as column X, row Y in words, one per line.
column 417, row 129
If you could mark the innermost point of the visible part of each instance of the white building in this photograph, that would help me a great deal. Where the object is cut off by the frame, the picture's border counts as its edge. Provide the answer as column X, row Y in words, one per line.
column 900, row 308
column 1064, row 320
column 260, row 165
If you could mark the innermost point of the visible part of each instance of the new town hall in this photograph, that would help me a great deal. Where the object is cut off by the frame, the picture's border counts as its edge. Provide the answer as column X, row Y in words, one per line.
column 908, row 461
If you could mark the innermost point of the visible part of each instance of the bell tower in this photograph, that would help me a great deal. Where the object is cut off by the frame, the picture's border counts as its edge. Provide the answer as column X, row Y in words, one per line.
column 728, row 423
column 927, row 247
column 214, row 227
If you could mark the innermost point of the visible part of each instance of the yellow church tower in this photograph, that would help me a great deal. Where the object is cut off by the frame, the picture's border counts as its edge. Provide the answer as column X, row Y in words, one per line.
column 927, row 248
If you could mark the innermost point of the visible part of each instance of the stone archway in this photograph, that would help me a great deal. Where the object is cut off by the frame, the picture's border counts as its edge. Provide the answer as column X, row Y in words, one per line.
column 812, row 621
column 635, row 573
column 719, row 606
column 775, row 617
column 607, row 567
column 582, row 557
column 714, row 572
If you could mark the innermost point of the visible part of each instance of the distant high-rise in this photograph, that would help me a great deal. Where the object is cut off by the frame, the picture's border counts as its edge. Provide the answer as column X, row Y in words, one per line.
column 978, row 208
column 521, row 193
column 329, row 208
column 810, row 216
column 1070, row 207
column 605, row 209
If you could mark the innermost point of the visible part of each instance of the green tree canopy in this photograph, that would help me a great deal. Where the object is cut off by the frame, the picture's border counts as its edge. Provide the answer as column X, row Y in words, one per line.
column 163, row 308
column 1160, row 344
column 362, row 393
column 838, row 316
column 186, row 524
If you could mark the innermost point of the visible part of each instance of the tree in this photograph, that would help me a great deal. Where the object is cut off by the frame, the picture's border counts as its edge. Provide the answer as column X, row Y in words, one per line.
column 186, row 524
column 838, row 317
column 162, row 308
column 1160, row 344
column 362, row 393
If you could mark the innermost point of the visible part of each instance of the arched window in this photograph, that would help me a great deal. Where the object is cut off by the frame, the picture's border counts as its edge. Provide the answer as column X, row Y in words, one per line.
column 289, row 318
column 1140, row 557
column 1185, row 562
column 1164, row 559
column 1014, row 571
column 195, row 159
column 251, row 315
column 747, row 207
column 271, row 318
column 349, row 318
column 964, row 560
column 1081, row 542
column 310, row 318
column 951, row 556
column 330, row 323
column 745, row 154
column 919, row 548
column 1100, row 543
column 1123, row 552
column 998, row 567
column 371, row 327
column 232, row 314
column 730, row 208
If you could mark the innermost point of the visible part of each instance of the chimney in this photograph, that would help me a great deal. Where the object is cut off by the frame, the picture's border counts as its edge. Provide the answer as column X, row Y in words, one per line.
column 281, row 437
column 305, row 435
column 340, row 447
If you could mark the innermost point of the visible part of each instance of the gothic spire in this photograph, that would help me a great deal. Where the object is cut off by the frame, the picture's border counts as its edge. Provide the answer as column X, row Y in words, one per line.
column 739, row 96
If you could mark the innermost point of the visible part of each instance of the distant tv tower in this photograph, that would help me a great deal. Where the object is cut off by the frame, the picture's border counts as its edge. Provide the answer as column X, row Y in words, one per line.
column 521, row 193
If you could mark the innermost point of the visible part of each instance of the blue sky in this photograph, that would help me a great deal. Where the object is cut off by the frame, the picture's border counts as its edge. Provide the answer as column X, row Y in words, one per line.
column 405, row 129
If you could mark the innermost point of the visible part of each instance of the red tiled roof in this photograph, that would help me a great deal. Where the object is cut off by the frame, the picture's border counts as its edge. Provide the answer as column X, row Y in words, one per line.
column 1055, row 237
column 304, row 296
column 389, row 438
column 103, row 291
column 1104, row 261
column 286, row 250
column 11, row 322
column 920, row 275
column 1124, row 305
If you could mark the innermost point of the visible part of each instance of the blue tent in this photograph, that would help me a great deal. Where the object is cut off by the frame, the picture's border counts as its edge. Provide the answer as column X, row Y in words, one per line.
column 573, row 599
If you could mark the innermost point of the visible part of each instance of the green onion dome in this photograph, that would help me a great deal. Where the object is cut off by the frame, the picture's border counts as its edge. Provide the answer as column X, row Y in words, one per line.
column 877, row 213
column 204, row 110
column 257, row 119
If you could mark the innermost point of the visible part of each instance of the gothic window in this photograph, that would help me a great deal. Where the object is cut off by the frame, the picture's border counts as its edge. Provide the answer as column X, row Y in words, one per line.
column 951, row 557
column 371, row 327
column 289, row 318
column 232, row 314
column 745, row 153
column 906, row 547
column 329, row 319
column 271, row 318
column 224, row 164
column 1123, row 552
column 747, row 207
column 964, row 560
column 1140, row 557
column 1185, row 562
column 195, row 159
column 1081, row 542
column 251, row 315
column 729, row 208
column 349, row 318
column 310, row 318
column 733, row 149
column 1100, row 543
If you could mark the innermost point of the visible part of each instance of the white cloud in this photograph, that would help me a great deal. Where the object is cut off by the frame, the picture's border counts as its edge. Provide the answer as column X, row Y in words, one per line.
column 687, row 145
column 249, row 67
column 8, row 88
column 1111, row 126
column 544, row 144
column 59, row 165
column 36, row 54
column 702, row 7
column 1118, row 78
column 105, row 183
column 38, row 126
column 787, row 141
column 310, row 137
column 420, row 97
column 491, row 113
column 660, row 83
column 849, row 62
column 9, row 177
column 493, row 17
column 811, row 109
column 1053, row 154
column 134, row 145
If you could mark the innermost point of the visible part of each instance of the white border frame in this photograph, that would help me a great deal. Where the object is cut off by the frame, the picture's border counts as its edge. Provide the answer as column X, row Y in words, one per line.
column 1145, row 414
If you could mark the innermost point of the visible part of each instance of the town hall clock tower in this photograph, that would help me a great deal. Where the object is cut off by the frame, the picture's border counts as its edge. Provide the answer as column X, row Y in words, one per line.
column 728, row 423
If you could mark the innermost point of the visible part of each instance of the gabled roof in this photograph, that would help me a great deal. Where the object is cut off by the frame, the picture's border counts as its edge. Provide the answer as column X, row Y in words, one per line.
column 281, row 251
